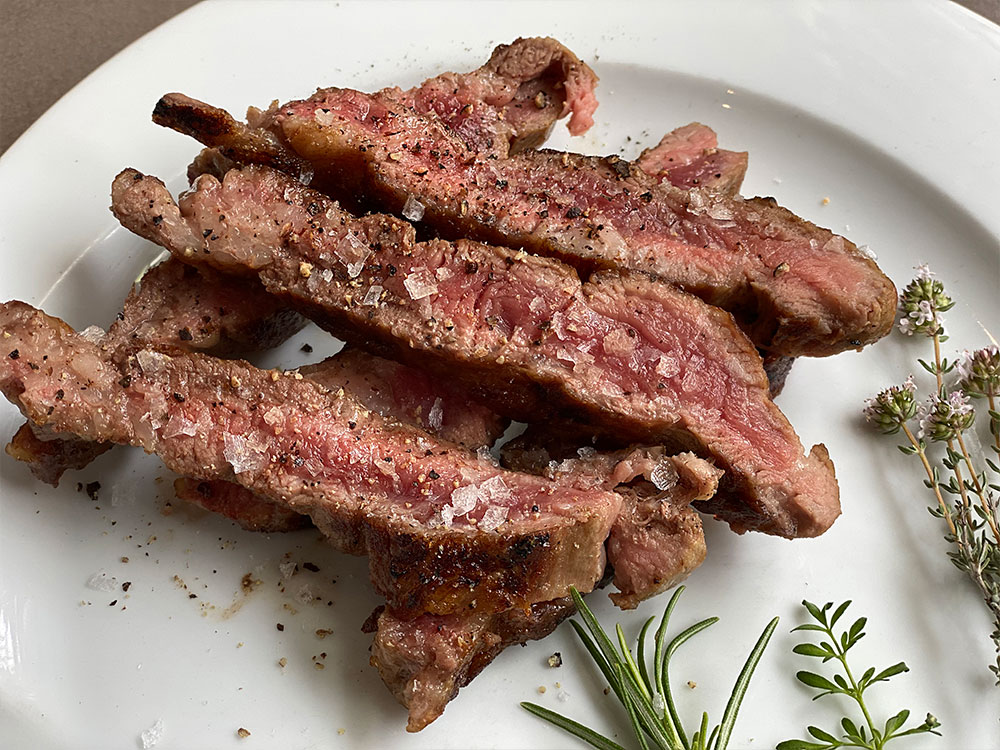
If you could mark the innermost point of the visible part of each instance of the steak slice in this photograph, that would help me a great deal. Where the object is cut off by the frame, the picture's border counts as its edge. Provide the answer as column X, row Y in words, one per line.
column 424, row 661
column 507, row 105
column 444, row 531
column 520, row 333
column 177, row 305
column 657, row 539
column 797, row 289
column 690, row 157
column 409, row 395
column 512, row 102
column 392, row 390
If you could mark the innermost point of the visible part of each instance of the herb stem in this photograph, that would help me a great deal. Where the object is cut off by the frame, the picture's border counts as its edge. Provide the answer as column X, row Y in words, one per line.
column 855, row 690
column 945, row 510
column 987, row 511
column 994, row 423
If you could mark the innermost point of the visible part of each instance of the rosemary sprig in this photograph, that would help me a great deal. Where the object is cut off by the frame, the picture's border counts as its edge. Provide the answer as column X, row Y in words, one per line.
column 967, row 500
column 644, row 689
column 864, row 734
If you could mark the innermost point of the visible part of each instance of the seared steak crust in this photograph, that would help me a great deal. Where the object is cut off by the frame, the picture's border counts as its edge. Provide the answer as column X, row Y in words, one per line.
column 521, row 333
column 424, row 661
column 515, row 540
column 796, row 288
column 174, row 305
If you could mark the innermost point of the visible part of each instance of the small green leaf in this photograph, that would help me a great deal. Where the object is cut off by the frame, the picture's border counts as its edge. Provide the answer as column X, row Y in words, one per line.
column 839, row 612
column 800, row 745
column 895, row 722
column 808, row 626
column 814, row 680
column 815, row 611
column 850, row 728
column 819, row 734
column 810, row 649
column 892, row 671
column 857, row 627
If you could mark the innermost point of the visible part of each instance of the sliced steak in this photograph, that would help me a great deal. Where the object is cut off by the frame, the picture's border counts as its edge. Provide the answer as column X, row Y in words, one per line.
column 519, row 332
column 690, row 157
column 391, row 389
column 237, row 503
column 796, row 288
column 444, row 530
column 424, row 661
column 174, row 305
column 508, row 105
column 511, row 102
column 657, row 539
column 409, row 395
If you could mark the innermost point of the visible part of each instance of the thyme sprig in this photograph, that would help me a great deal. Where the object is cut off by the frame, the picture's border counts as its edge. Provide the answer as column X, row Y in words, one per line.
column 643, row 688
column 861, row 734
column 967, row 499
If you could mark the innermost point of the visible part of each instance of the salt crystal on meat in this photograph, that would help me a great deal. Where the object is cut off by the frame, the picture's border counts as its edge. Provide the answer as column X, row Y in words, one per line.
column 178, row 425
column 420, row 284
column 372, row 296
column 413, row 210
column 240, row 455
column 464, row 499
column 494, row 516
column 151, row 362
column 435, row 417
column 664, row 475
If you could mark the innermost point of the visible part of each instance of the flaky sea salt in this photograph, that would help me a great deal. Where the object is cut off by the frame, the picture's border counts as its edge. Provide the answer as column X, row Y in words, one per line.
column 618, row 343
column 420, row 284
column 444, row 273
column 435, row 417
column 149, row 737
column 372, row 296
column 664, row 475
column 447, row 515
column 93, row 334
column 151, row 362
column 102, row 581
column 178, row 425
column 667, row 366
column 241, row 454
column 464, row 499
column 304, row 595
column 867, row 252
column 493, row 517
column 495, row 490
column 324, row 117
column 413, row 210
column 287, row 569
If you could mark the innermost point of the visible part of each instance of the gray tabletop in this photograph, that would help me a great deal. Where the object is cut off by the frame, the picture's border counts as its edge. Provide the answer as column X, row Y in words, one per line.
column 47, row 46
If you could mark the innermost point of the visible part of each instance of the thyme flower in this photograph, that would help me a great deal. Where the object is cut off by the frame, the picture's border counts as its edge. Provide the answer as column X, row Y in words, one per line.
column 979, row 372
column 920, row 302
column 891, row 408
column 944, row 419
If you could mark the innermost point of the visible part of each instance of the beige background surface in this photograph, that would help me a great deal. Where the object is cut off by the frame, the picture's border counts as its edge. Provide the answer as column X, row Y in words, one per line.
column 47, row 46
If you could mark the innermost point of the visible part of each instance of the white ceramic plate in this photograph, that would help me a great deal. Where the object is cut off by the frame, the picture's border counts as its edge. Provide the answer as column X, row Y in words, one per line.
column 889, row 109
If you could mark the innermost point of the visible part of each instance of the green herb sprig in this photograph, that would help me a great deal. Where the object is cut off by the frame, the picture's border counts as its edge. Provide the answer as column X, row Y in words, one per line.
column 967, row 500
column 644, row 689
column 860, row 734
